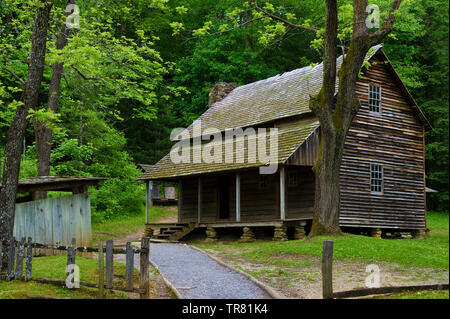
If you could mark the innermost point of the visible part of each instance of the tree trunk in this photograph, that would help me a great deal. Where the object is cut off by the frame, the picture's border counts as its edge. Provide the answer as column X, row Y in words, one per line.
column 18, row 126
column 336, row 118
column 43, row 133
column 327, row 191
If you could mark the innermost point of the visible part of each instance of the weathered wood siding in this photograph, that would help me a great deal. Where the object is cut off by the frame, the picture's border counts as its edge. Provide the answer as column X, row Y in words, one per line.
column 258, row 204
column 393, row 139
column 300, row 198
column 189, row 200
column 55, row 221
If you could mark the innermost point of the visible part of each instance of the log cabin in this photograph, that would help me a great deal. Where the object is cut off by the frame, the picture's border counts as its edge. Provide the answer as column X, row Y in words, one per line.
column 382, row 173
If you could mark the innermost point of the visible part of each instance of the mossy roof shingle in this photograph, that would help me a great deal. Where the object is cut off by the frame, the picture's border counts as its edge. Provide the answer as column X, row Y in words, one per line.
column 288, row 141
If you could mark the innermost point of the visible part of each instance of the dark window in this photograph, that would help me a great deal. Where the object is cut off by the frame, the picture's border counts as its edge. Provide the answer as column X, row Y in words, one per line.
column 374, row 98
column 293, row 179
column 263, row 181
column 376, row 178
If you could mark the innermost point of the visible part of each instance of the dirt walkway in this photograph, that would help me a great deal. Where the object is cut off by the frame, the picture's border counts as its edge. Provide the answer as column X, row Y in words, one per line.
column 304, row 279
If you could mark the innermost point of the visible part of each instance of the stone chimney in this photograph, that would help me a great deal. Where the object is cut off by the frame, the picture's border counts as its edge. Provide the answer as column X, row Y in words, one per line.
column 219, row 91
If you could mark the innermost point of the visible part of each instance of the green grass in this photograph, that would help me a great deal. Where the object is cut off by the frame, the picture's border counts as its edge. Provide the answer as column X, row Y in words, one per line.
column 127, row 224
column 437, row 221
column 54, row 267
column 432, row 252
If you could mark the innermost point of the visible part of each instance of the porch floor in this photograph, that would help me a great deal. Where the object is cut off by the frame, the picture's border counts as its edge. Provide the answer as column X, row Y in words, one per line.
column 224, row 224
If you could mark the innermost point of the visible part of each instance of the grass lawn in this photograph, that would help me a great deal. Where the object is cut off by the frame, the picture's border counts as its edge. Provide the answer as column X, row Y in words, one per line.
column 126, row 225
column 432, row 252
column 53, row 267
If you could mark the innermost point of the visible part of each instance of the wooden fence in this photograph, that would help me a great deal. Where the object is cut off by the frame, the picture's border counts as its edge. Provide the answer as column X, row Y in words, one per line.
column 16, row 251
column 327, row 281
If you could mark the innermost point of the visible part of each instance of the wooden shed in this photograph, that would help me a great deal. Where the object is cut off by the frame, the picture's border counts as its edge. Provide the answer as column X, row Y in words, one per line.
column 55, row 220
column 382, row 173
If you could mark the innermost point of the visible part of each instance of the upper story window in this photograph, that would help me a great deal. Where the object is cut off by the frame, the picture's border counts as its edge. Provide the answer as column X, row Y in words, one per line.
column 376, row 178
column 293, row 179
column 374, row 98
column 263, row 181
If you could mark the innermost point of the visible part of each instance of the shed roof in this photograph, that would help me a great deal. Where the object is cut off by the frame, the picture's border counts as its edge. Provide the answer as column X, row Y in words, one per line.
column 43, row 183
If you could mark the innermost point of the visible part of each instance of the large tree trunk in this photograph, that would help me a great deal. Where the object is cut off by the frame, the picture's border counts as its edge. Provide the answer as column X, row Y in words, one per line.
column 42, row 131
column 17, row 130
column 336, row 114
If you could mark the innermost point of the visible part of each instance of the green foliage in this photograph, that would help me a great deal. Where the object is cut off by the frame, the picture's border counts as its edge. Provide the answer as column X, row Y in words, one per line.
column 135, row 69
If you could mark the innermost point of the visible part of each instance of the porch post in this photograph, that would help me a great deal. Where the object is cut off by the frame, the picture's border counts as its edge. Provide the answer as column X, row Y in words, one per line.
column 180, row 199
column 148, row 198
column 238, row 197
column 282, row 194
column 199, row 199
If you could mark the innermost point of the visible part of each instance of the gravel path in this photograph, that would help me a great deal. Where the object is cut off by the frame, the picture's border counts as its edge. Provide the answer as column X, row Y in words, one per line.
column 195, row 275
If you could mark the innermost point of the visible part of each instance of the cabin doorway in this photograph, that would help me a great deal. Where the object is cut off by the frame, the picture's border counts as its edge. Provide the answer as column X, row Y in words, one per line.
column 223, row 197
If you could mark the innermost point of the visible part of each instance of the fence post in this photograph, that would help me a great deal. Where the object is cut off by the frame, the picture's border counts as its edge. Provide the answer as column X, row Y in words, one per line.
column 109, row 264
column 101, row 271
column 19, row 259
column 71, row 253
column 327, row 269
column 1, row 256
column 29, row 260
column 129, row 266
column 11, row 256
column 144, row 276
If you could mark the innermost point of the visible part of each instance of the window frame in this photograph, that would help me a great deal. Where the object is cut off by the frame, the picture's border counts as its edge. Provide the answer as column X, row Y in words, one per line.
column 379, row 101
column 381, row 179
column 263, row 185
column 289, row 178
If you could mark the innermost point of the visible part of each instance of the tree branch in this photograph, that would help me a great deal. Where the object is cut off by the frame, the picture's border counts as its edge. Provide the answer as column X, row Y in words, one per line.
column 293, row 25
column 228, row 30
column 378, row 36
column 14, row 75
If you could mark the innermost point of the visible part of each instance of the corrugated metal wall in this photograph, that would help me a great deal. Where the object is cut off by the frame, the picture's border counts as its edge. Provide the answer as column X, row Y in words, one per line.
column 55, row 221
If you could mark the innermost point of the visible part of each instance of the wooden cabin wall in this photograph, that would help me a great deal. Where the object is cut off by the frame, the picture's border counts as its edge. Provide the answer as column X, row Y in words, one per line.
column 300, row 198
column 306, row 154
column 189, row 200
column 258, row 204
column 394, row 139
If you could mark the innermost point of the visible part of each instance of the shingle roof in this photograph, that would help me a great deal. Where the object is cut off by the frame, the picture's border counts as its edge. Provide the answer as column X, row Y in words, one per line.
column 264, row 101
column 288, row 141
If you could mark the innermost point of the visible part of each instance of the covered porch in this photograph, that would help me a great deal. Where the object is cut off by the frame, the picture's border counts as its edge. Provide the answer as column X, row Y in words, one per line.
column 241, row 199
